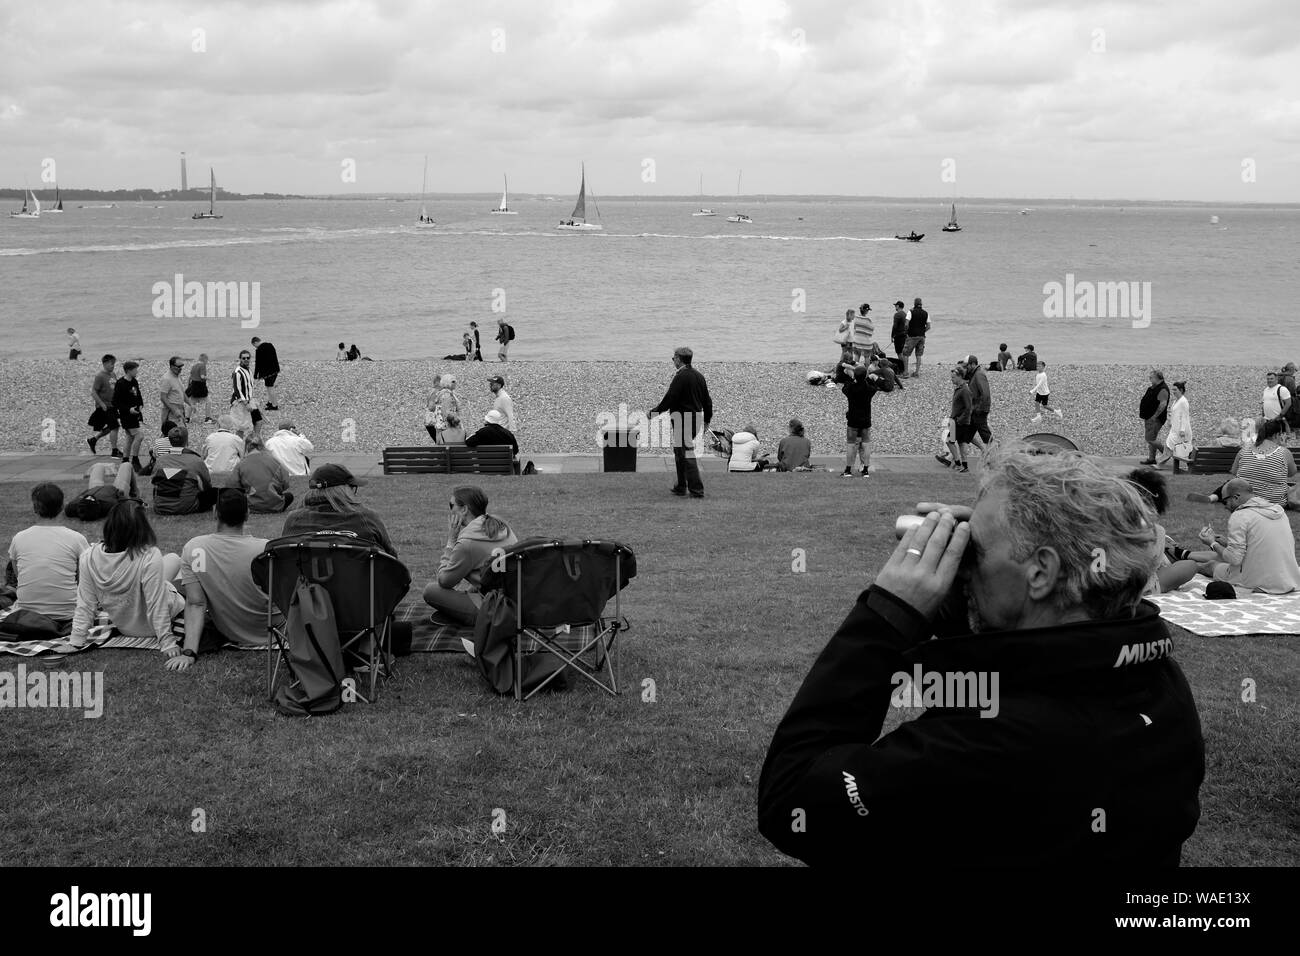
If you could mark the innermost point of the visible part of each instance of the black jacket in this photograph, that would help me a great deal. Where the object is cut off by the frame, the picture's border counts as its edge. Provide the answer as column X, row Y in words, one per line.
column 1028, row 362
column 491, row 434
column 688, row 393
column 265, row 361
column 1094, row 758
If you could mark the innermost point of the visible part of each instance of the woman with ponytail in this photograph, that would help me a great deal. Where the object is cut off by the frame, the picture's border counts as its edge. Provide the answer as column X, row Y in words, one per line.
column 473, row 536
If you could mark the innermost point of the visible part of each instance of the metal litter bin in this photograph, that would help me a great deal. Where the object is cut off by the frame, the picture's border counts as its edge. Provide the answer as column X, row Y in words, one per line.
column 619, row 449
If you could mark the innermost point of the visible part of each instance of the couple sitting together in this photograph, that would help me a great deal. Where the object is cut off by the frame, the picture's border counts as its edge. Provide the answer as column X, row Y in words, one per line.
column 792, row 452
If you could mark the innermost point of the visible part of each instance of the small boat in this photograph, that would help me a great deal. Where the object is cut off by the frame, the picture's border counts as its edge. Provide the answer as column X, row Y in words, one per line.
column 1026, row 212
column 58, row 202
column 740, row 216
column 577, row 222
column 703, row 210
column 952, row 221
column 1214, row 220
column 212, row 199
column 503, row 209
column 99, row 205
column 425, row 219
column 25, row 212
column 914, row 237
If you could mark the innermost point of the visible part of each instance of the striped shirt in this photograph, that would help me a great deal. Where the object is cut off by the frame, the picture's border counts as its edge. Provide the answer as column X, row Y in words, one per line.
column 863, row 332
column 242, row 383
column 1266, row 473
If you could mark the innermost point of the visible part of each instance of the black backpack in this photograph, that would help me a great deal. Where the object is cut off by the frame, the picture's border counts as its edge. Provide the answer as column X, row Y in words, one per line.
column 510, row 333
column 314, row 658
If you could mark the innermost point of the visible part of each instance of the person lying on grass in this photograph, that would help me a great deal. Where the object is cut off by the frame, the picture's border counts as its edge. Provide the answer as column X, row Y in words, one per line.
column 1058, row 729
column 473, row 537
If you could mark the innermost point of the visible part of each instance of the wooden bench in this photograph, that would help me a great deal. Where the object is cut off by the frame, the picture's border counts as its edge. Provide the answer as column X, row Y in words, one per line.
column 1213, row 460
column 449, row 460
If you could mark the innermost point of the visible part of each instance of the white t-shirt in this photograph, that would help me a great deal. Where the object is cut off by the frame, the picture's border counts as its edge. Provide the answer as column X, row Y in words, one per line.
column 506, row 406
column 1040, row 385
column 219, row 563
column 291, row 450
column 45, row 560
column 1274, row 396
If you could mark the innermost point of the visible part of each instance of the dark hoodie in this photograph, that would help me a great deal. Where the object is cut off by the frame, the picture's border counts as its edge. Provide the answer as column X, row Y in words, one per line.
column 1094, row 755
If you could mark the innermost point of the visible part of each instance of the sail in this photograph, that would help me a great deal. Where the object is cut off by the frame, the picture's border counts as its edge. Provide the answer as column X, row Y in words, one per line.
column 505, row 188
column 580, row 210
column 953, row 218
column 58, row 203
column 37, row 200
column 212, row 200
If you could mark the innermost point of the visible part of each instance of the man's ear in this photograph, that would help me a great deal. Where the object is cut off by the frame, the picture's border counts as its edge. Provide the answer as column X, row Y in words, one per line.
column 1042, row 574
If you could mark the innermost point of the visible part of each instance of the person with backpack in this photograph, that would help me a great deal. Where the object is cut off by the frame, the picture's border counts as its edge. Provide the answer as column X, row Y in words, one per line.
column 129, row 578
column 474, row 537
column 505, row 335
column 1277, row 400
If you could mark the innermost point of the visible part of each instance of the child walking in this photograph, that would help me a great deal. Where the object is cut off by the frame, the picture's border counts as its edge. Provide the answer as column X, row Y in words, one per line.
column 1042, row 394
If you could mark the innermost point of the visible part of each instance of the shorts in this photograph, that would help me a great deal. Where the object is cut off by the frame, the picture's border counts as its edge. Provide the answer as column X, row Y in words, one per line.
column 979, row 425
column 197, row 390
column 269, row 381
column 856, row 435
column 104, row 419
column 1153, row 426
column 900, row 339
column 256, row 416
column 130, row 420
column 965, row 433
column 74, row 354
column 914, row 343
column 1042, row 399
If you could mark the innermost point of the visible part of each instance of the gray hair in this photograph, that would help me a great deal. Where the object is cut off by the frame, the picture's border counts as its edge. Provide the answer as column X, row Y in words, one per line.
column 1098, row 524
column 341, row 499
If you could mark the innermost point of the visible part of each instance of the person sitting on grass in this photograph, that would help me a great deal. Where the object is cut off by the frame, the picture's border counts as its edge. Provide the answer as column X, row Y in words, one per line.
column 794, row 450
column 222, row 450
column 129, row 578
column 744, row 451
column 473, row 536
column 263, row 479
column 1259, row 552
column 181, row 483
column 1267, row 466
column 43, row 559
column 1011, row 586
column 222, row 603
column 332, row 504
column 1169, row 575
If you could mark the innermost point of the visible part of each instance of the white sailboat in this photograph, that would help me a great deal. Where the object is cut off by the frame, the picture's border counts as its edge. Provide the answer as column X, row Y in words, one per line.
column 952, row 221
column 740, row 216
column 26, row 212
column 425, row 219
column 212, row 199
column 58, row 203
column 577, row 222
column 503, row 209
column 703, row 210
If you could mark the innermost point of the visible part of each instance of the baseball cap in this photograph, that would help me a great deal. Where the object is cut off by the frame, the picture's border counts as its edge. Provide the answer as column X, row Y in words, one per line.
column 495, row 417
column 899, row 304
column 496, row 378
column 1030, row 347
column 331, row 476
column 1219, row 590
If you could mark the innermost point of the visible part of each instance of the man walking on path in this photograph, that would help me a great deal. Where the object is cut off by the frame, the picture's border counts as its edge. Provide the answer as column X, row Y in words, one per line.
column 172, row 396
column 691, row 408
column 1153, row 411
column 266, row 369
column 505, row 334
column 917, row 326
column 197, row 392
column 242, row 407
column 478, row 344
column 1042, row 393
column 1277, row 400
column 104, row 417
column 981, row 405
column 899, row 331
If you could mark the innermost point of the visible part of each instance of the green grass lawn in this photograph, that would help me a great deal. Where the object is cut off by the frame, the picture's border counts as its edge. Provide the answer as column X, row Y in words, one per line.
column 720, row 622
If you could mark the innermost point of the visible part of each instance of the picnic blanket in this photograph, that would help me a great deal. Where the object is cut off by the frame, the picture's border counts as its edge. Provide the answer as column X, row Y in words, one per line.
column 1250, row 613
column 430, row 638
column 102, row 636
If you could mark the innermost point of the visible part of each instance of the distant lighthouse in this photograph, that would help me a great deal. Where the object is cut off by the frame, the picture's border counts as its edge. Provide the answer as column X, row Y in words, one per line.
column 184, row 182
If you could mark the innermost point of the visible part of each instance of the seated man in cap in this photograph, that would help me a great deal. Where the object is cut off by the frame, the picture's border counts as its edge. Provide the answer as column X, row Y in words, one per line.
column 1029, row 361
column 494, row 432
column 331, row 504
column 1260, row 551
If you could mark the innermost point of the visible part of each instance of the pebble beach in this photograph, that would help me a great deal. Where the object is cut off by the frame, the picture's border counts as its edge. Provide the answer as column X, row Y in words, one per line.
column 366, row 406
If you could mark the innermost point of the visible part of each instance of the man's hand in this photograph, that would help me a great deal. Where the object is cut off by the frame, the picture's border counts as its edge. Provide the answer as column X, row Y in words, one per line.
column 179, row 663
column 923, row 567
column 960, row 512
column 1206, row 535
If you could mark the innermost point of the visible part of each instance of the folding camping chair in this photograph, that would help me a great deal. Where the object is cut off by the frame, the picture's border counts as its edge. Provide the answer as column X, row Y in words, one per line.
column 365, row 585
column 560, row 590
column 719, row 442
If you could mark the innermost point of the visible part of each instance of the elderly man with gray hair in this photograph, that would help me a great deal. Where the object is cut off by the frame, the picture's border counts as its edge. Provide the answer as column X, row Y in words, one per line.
column 1058, row 729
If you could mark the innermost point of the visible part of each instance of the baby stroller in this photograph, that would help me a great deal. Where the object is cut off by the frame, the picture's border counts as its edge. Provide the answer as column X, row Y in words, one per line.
column 719, row 442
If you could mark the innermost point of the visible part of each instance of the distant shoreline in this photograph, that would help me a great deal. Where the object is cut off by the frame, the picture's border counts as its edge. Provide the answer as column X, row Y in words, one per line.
column 367, row 406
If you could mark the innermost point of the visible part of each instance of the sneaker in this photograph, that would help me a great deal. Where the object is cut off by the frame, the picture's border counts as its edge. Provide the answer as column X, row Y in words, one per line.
column 847, row 473
column 92, row 442
column 1059, row 413
column 209, row 421
column 943, row 460
column 679, row 492
column 1037, row 418
column 117, row 453
column 964, row 468
column 866, row 473
column 271, row 408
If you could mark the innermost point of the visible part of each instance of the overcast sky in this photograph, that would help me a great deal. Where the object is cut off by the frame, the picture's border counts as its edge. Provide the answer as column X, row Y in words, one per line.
column 1130, row 99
